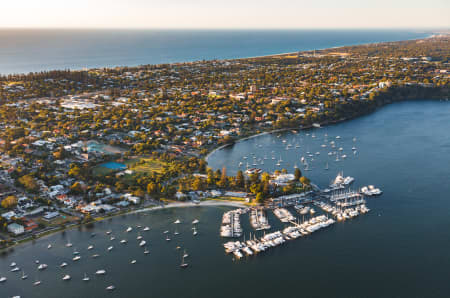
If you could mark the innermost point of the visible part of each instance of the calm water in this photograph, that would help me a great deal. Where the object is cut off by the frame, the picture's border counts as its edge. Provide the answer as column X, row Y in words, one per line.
column 23, row 51
column 399, row 249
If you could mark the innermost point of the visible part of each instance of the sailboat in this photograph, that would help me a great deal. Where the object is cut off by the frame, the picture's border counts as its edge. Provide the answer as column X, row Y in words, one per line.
column 176, row 232
column 146, row 251
column 24, row 276
column 86, row 278
column 185, row 254
column 183, row 264
column 195, row 231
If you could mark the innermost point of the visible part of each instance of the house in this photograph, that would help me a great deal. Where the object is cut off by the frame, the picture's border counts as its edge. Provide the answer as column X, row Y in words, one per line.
column 51, row 215
column 16, row 229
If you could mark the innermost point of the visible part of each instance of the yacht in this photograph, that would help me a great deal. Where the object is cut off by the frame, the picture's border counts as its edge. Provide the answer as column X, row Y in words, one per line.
column 13, row 264
column 110, row 248
column 146, row 251
column 90, row 247
column 176, row 232
column 49, row 246
column 143, row 242
column 110, row 288
column 69, row 244
column 195, row 232
column 42, row 266
column 86, row 278
column 95, row 256
column 139, row 237
column 185, row 254
column 100, row 272
column 146, row 229
column 36, row 283
column 76, row 258
column 66, row 277
column 165, row 232
column 24, row 276
column 15, row 269
column 133, row 261
column 123, row 241
column 108, row 232
column 129, row 229
column 64, row 264
column 112, row 238
column 3, row 279
column 177, row 221
column 167, row 238
column 196, row 221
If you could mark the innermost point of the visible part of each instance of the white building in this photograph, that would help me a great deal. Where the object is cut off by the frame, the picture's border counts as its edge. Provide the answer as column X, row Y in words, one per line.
column 16, row 229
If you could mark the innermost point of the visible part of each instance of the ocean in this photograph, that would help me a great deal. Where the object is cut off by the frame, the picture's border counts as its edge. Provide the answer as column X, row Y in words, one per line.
column 23, row 51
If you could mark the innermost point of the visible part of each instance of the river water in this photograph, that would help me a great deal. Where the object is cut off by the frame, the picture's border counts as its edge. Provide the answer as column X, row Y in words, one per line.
column 399, row 249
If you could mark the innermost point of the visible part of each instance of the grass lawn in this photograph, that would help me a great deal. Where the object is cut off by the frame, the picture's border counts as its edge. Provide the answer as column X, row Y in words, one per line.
column 145, row 165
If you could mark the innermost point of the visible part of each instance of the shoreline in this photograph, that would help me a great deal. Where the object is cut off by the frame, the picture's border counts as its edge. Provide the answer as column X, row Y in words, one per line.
column 81, row 69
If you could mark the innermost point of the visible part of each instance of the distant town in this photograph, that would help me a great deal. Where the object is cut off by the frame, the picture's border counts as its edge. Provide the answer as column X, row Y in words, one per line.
column 78, row 146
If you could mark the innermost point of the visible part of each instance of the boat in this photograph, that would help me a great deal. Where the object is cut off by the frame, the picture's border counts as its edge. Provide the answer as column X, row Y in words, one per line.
column 123, row 241
column 143, row 242
column 129, row 229
column 185, row 254
column 42, row 266
column 195, row 221
column 108, row 232
column 176, row 232
column 326, row 166
column 133, row 261
column 86, row 278
column 49, row 246
column 24, row 276
column 146, row 229
column 95, row 256
column 112, row 238
column 36, row 283
column 69, row 244
column 110, row 248
column 110, row 288
column 177, row 221
column 139, row 237
column 100, row 272
column 15, row 269
column 3, row 279
column 195, row 232
column 64, row 264
column 146, row 251
column 183, row 264
column 90, row 247
column 76, row 258
column 66, row 277
column 165, row 232
column 167, row 238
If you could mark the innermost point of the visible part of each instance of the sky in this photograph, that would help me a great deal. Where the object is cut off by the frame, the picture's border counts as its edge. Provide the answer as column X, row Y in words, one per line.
column 225, row 14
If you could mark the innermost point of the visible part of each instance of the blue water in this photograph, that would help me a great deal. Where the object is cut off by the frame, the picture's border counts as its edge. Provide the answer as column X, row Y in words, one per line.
column 23, row 51
column 114, row 165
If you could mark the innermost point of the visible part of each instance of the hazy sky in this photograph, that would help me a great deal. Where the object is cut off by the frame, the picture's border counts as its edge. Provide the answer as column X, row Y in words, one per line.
column 225, row 13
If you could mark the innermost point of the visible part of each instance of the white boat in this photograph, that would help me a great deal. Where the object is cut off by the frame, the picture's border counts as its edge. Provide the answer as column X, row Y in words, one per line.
column 139, row 237
column 108, row 232
column 100, row 272
column 36, row 283
column 110, row 288
column 76, row 258
column 3, row 279
column 167, row 238
column 123, row 241
column 129, row 229
column 49, row 246
column 95, row 256
column 185, row 254
column 177, row 221
column 112, row 238
column 42, row 266
column 13, row 264
column 15, row 269
column 69, row 244
column 86, row 278
column 195, row 221
column 165, row 232
column 24, row 276
column 195, row 232
column 133, row 261
column 110, row 248
column 90, row 247
column 146, row 251
column 142, row 243
column 66, row 277
column 183, row 263
column 146, row 229
column 64, row 264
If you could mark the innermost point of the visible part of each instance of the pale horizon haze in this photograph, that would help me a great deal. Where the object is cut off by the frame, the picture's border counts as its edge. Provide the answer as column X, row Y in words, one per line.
column 231, row 14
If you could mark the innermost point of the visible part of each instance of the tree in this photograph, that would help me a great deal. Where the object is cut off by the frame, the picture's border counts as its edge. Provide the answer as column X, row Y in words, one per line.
column 304, row 180
column 223, row 178
column 259, row 197
column 77, row 188
column 240, row 180
column 151, row 188
column 29, row 183
column 197, row 184
column 297, row 174
column 9, row 202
